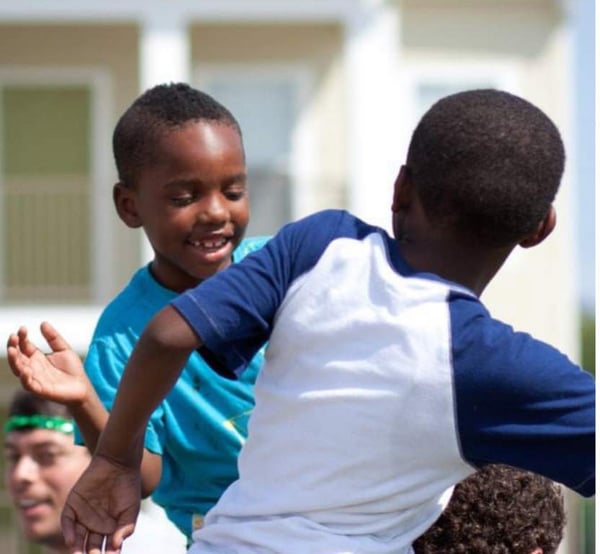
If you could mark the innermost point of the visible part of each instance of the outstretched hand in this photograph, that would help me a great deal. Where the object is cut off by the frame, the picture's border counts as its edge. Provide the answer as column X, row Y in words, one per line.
column 58, row 376
column 103, row 505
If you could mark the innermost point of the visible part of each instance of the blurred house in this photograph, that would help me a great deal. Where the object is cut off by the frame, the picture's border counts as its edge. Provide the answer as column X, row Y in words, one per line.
column 327, row 93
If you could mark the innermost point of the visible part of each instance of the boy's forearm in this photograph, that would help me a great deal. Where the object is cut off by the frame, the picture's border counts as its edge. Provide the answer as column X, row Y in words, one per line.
column 91, row 417
column 153, row 368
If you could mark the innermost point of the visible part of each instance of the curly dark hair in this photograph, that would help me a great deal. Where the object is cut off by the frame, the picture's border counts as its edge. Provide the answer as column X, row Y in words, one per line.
column 158, row 110
column 498, row 510
column 486, row 163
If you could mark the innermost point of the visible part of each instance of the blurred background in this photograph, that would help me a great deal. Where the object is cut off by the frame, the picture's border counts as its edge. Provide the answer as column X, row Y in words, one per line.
column 327, row 93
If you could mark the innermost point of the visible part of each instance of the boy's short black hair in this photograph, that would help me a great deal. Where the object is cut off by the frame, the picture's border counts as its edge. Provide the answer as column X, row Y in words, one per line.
column 487, row 164
column 160, row 109
column 26, row 403
column 498, row 510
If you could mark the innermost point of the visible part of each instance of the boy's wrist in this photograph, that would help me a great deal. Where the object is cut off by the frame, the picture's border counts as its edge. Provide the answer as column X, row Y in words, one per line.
column 121, row 450
column 89, row 406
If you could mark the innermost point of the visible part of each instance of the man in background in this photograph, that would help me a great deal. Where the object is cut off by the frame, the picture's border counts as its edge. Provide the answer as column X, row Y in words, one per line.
column 42, row 463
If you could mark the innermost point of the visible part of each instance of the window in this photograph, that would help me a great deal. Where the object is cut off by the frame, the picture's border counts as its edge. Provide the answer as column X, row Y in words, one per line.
column 46, row 192
column 53, row 145
column 267, row 102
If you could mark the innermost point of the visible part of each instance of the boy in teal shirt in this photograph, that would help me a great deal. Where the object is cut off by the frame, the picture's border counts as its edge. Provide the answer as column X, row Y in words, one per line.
column 182, row 178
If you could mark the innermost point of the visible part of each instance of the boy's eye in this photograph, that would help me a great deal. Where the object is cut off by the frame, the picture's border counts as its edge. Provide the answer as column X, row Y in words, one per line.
column 235, row 194
column 235, row 191
column 184, row 200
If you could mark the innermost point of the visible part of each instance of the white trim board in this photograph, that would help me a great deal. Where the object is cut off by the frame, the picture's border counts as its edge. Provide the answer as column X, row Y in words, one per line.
column 75, row 323
column 106, row 11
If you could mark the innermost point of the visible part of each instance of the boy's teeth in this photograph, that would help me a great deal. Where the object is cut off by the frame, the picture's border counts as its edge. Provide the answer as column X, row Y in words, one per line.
column 209, row 243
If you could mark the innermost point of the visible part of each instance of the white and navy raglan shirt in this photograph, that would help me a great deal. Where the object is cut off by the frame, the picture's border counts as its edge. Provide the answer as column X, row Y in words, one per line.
column 382, row 387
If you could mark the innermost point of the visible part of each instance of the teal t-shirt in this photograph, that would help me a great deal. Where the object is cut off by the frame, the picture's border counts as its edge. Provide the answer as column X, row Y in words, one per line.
column 200, row 426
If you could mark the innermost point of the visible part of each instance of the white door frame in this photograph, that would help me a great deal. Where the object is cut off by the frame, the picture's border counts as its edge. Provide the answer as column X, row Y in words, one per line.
column 303, row 156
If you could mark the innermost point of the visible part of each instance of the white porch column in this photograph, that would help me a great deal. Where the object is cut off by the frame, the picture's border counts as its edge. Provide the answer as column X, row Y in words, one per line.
column 164, row 45
column 372, row 50
column 164, row 48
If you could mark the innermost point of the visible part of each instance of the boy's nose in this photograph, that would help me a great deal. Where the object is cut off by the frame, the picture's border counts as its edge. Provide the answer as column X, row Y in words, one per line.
column 213, row 211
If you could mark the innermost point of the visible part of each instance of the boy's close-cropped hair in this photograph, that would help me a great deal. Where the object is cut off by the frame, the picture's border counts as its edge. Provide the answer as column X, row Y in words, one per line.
column 160, row 109
column 487, row 164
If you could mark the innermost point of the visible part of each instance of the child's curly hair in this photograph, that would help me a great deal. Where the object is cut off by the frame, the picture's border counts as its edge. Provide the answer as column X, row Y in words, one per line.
column 498, row 510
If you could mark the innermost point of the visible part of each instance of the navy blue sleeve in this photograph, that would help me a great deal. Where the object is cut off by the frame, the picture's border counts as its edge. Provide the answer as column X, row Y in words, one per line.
column 233, row 311
column 521, row 402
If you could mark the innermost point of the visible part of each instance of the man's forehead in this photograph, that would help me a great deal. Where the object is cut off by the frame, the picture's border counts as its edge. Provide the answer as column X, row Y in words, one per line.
column 35, row 438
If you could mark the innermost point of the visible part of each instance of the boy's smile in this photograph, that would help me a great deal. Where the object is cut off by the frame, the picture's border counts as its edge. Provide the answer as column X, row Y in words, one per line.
column 192, row 201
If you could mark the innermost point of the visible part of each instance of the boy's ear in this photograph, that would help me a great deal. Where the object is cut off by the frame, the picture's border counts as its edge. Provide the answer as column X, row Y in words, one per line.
column 402, row 190
column 124, row 198
column 544, row 228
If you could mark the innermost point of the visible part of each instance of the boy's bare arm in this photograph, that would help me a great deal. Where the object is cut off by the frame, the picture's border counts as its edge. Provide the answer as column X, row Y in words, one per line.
column 91, row 419
column 110, row 482
column 153, row 368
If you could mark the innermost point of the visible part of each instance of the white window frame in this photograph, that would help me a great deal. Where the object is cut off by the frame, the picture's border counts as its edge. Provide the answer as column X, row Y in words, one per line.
column 500, row 74
column 303, row 155
column 77, row 321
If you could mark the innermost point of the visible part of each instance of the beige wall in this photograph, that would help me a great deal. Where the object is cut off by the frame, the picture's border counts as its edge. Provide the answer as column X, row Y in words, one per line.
column 318, row 48
column 509, row 27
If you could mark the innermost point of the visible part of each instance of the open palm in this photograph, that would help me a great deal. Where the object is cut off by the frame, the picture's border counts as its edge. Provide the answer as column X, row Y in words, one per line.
column 104, row 503
column 57, row 376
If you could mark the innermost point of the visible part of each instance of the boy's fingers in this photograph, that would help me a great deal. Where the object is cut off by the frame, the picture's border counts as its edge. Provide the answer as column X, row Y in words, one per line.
column 11, row 356
column 94, row 543
column 115, row 541
column 78, row 545
column 14, row 356
column 67, row 522
column 25, row 345
column 13, row 340
column 53, row 337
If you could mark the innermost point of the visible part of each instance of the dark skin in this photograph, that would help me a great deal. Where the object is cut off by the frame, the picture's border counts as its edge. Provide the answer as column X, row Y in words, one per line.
column 191, row 199
column 105, row 501
column 439, row 250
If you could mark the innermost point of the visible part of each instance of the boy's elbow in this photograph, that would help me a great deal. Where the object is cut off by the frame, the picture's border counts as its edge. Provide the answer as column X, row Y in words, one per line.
column 151, row 472
column 169, row 330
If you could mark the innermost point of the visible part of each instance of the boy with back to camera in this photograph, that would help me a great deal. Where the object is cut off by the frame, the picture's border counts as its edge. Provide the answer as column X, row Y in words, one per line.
column 42, row 463
column 182, row 178
column 386, row 380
